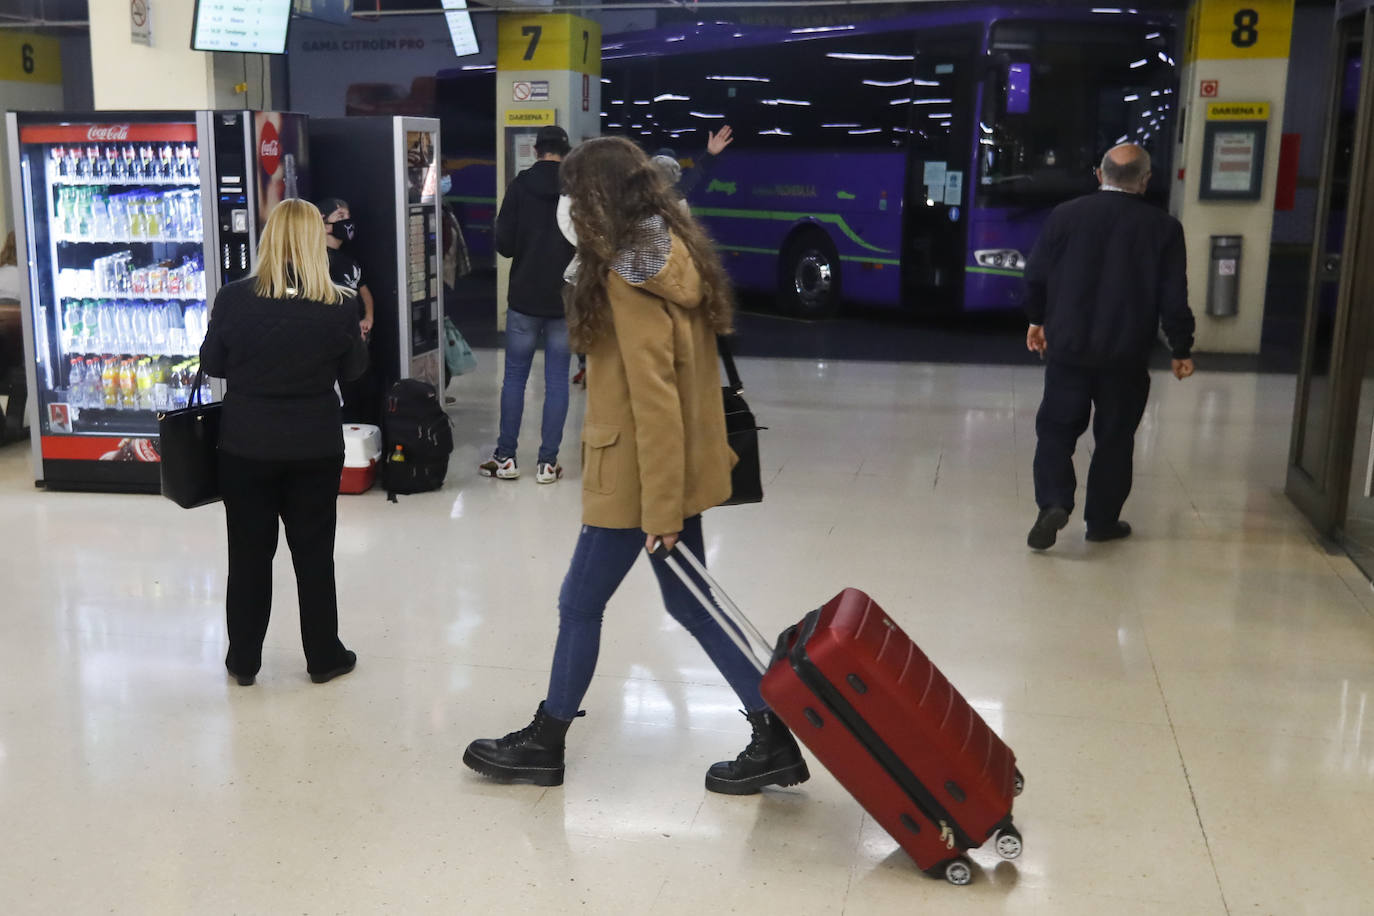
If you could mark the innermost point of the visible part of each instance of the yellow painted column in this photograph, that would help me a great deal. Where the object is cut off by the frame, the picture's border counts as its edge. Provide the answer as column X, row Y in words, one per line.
column 30, row 80
column 548, row 71
column 1234, row 80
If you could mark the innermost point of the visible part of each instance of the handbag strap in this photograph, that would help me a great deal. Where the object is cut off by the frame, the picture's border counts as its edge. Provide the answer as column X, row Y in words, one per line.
column 727, row 356
column 197, row 384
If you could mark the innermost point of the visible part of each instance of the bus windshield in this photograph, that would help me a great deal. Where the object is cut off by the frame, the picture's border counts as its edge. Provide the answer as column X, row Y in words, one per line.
column 1059, row 95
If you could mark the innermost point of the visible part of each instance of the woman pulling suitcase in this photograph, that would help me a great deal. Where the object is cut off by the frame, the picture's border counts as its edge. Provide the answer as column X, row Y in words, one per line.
column 649, row 300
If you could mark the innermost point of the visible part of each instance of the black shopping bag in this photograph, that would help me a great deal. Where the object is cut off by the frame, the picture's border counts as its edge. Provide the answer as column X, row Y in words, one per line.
column 742, row 431
column 189, row 442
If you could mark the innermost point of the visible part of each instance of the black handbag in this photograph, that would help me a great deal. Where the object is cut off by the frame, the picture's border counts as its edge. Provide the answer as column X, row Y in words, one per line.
column 742, row 431
column 189, row 442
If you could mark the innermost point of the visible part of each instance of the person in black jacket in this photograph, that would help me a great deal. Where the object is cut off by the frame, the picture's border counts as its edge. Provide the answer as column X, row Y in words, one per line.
column 527, row 231
column 281, row 339
column 1106, row 272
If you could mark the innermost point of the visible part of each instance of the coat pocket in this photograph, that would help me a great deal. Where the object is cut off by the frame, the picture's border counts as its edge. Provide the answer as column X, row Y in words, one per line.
column 600, row 458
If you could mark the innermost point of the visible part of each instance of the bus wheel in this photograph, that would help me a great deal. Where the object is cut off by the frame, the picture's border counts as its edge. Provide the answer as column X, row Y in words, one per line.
column 809, row 281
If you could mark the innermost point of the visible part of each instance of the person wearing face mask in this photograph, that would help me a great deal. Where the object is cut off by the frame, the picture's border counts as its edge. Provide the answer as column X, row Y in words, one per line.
column 361, row 397
column 344, row 269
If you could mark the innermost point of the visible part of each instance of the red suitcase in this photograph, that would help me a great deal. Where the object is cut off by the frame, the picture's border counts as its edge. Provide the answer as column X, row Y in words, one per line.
column 887, row 724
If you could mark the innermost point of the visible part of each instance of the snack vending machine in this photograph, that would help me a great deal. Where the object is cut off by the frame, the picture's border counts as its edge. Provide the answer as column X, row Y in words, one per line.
column 387, row 168
column 127, row 223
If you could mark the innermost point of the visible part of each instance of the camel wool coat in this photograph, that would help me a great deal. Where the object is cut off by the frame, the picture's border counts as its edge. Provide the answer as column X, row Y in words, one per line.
column 654, row 449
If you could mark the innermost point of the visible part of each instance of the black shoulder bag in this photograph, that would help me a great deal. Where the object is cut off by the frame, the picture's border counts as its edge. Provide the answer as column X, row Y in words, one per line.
column 189, row 443
column 742, row 431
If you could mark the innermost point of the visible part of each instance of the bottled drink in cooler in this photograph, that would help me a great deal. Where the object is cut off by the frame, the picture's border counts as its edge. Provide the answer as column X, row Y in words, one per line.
column 90, row 325
column 71, row 321
column 76, row 382
column 147, row 161
column 128, row 385
column 94, row 395
column 57, row 165
column 109, row 383
column 143, row 380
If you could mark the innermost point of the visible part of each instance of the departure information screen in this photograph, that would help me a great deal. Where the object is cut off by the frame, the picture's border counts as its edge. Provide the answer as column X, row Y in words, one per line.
column 243, row 26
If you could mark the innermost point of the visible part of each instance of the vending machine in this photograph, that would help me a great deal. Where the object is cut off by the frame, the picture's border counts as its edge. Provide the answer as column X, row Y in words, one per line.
column 387, row 168
column 127, row 223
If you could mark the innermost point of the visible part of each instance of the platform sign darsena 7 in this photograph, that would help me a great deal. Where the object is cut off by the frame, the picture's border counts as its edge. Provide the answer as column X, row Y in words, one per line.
column 1240, row 29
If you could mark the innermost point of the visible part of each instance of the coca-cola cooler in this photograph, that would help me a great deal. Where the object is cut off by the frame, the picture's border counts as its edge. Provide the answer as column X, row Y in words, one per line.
column 387, row 168
column 127, row 224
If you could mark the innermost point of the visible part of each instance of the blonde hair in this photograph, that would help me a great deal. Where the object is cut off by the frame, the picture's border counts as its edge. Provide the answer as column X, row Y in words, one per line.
column 293, row 261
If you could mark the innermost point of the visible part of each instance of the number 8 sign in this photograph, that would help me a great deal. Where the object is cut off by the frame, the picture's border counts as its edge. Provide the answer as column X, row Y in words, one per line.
column 1244, row 29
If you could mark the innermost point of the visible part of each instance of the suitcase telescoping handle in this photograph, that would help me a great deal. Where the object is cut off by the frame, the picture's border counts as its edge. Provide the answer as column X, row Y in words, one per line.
column 739, row 628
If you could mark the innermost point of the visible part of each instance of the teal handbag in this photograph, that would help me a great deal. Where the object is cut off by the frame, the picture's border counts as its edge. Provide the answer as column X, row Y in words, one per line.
column 457, row 353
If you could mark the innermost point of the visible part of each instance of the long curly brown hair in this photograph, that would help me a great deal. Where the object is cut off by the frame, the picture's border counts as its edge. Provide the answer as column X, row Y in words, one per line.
column 614, row 187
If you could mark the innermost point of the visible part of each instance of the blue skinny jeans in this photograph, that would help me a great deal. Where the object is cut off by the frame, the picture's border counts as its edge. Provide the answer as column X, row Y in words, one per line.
column 600, row 562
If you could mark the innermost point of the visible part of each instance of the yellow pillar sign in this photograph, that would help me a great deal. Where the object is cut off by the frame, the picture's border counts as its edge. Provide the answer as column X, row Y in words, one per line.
column 1239, row 30
column 1238, row 111
column 549, row 41
column 30, row 59
column 526, row 116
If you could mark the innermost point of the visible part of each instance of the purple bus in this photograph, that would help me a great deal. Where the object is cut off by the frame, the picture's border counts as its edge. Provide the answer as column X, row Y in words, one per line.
column 904, row 162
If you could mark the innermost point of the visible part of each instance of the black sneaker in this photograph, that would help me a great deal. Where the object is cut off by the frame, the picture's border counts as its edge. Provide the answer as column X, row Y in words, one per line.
column 1047, row 527
column 1113, row 532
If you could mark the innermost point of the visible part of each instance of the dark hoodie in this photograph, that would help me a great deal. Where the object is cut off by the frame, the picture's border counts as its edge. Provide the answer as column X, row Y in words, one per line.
column 527, row 231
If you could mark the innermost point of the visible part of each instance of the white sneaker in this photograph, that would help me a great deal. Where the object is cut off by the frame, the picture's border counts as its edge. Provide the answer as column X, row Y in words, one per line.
column 548, row 473
column 501, row 468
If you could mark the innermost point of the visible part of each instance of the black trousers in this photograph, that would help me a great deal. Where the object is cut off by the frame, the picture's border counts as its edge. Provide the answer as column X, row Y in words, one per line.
column 304, row 496
column 1114, row 399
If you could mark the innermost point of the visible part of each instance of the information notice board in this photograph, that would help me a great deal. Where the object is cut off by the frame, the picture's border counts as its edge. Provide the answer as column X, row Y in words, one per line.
column 242, row 26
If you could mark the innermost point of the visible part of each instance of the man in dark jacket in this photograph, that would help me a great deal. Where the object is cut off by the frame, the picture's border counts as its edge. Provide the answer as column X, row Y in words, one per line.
column 527, row 231
column 1106, row 272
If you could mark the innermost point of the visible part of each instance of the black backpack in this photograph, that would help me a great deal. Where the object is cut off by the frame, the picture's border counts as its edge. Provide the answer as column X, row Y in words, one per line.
column 418, row 439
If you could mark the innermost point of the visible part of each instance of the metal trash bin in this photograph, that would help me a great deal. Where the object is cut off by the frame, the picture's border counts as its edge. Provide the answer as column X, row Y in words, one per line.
column 1223, row 276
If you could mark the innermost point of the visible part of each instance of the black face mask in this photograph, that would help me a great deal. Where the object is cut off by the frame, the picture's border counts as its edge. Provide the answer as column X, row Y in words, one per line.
column 343, row 229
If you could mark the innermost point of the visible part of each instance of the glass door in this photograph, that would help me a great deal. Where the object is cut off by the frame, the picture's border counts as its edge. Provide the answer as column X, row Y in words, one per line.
column 114, row 231
column 1333, row 351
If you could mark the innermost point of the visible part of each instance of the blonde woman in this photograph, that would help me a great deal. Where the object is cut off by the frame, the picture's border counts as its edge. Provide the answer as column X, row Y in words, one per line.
column 281, row 339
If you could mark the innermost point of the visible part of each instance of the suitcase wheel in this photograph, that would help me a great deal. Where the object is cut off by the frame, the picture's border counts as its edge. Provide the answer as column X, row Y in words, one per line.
column 1018, row 783
column 1008, row 843
column 959, row 871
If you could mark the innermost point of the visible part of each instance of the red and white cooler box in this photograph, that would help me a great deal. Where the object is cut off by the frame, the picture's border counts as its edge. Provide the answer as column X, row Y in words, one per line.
column 362, row 457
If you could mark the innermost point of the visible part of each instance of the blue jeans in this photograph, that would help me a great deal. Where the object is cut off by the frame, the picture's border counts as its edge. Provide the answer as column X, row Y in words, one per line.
column 522, row 339
column 600, row 563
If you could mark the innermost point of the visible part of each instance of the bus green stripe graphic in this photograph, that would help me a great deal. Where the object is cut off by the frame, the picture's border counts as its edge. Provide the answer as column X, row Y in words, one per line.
column 833, row 219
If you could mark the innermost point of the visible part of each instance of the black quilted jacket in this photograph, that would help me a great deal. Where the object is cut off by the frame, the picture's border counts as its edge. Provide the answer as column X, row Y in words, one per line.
column 280, row 359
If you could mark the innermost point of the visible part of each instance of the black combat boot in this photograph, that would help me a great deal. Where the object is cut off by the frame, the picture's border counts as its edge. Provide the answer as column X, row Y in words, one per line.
column 771, row 759
column 532, row 756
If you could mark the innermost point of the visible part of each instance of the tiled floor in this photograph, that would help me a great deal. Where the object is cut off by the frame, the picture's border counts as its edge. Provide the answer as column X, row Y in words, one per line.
column 1191, row 708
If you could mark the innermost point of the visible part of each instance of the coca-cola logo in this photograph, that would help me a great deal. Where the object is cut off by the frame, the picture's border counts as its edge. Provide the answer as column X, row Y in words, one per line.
column 108, row 132
column 269, row 149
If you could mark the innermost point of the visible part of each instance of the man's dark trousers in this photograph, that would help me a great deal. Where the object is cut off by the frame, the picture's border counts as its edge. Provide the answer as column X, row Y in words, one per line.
column 1114, row 399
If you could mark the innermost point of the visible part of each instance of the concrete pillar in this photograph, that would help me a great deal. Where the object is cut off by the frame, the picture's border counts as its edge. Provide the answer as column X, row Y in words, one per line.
column 30, row 80
column 1235, row 78
column 548, row 71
